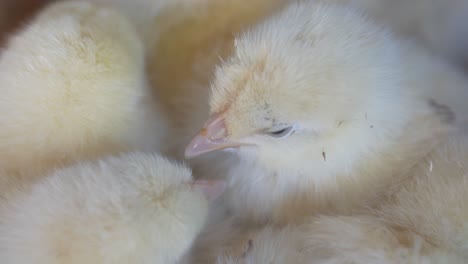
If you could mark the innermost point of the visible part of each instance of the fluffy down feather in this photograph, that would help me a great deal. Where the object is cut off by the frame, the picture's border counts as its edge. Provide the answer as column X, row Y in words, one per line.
column 73, row 88
column 133, row 208
column 422, row 219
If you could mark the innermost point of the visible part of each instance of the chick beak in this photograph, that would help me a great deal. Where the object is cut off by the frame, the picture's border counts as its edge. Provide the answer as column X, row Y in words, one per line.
column 213, row 136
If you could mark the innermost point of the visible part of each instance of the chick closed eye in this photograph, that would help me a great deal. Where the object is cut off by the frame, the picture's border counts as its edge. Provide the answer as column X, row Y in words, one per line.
column 280, row 132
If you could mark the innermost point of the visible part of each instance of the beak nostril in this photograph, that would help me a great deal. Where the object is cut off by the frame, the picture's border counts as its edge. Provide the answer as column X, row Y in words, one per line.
column 219, row 134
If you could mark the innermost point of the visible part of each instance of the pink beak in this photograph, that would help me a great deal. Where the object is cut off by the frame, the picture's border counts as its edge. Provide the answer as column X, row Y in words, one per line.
column 213, row 136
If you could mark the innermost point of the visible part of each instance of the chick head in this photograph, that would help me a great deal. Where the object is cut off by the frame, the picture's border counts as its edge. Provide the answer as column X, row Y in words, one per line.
column 307, row 78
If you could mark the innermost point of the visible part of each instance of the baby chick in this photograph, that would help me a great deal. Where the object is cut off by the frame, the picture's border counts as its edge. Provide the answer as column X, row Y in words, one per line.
column 72, row 87
column 324, row 109
column 133, row 208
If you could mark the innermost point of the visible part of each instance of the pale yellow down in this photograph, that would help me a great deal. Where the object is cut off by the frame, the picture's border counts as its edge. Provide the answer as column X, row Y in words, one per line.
column 374, row 172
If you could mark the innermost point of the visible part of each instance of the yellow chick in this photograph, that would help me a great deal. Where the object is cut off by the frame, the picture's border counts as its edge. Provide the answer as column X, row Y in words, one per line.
column 132, row 208
column 73, row 87
column 324, row 109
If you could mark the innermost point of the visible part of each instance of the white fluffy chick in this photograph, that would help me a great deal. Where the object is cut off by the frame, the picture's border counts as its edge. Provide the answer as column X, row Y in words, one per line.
column 421, row 219
column 324, row 109
column 72, row 86
column 133, row 208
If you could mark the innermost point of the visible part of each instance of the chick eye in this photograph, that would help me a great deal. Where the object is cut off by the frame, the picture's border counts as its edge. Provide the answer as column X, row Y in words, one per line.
column 281, row 133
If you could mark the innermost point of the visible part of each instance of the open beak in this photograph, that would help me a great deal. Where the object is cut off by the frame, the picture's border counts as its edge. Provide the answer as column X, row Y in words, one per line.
column 213, row 136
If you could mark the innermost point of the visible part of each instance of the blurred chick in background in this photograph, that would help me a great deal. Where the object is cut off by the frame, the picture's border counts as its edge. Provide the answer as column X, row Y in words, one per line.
column 132, row 208
column 74, row 89
column 440, row 25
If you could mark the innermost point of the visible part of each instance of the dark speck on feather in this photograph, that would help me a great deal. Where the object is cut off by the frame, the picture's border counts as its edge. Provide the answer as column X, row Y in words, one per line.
column 444, row 111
